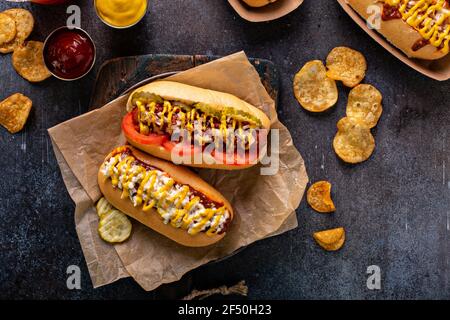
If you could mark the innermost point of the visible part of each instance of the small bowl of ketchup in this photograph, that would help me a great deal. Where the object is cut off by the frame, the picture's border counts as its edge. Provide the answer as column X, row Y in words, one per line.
column 69, row 53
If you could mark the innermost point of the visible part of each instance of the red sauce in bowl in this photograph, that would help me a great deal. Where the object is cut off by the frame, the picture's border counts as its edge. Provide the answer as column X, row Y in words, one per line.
column 69, row 53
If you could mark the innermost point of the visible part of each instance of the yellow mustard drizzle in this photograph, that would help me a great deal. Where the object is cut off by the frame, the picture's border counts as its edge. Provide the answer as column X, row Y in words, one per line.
column 187, row 119
column 160, row 200
column 422, row 16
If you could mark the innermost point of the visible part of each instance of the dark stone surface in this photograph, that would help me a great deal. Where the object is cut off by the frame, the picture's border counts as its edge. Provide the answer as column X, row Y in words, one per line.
column 395, row 207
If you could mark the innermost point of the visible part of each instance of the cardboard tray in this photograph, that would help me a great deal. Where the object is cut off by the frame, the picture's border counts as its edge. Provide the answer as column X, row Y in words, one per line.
column 270, row 12
column 437, row 69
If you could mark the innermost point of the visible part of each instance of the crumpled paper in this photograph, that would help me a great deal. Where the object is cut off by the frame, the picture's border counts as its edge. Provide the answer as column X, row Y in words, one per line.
column 264, row 205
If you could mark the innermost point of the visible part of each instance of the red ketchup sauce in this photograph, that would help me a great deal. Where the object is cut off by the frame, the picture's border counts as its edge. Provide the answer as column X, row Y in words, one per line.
column 69, row 54
column 390, row 13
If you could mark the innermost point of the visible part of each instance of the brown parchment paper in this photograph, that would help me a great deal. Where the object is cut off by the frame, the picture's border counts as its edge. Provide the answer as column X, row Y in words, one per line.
column 264, row 205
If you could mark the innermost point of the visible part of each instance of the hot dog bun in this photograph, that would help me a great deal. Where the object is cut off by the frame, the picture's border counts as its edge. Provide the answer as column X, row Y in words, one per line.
column 215, row 101
column 398, row 32
column 169, row 90
column 151, row 218
column 208, row 161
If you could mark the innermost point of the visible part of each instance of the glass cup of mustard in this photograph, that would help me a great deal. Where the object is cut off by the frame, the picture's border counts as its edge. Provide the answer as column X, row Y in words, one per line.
column 120, row 14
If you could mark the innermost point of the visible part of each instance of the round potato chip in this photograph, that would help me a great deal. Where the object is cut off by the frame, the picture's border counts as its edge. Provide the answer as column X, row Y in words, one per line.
column 14, row 112
column 7, row 28
column 346, row 65
column 364, row 105
column 319, row 197
column 24, row 26
column 28, row 61
column 313, row 89
column 103, row 207
column 114, row 227
column 330, row 240
column 353, row 142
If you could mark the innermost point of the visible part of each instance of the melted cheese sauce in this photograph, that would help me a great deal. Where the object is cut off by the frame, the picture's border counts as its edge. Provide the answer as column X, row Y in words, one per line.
column 152, row 188
column 429, row 17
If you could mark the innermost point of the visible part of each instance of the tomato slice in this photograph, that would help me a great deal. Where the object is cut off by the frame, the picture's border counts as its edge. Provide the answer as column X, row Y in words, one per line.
column 129, row 129
column 183, row 151
column 131, row 132
column 237, row 159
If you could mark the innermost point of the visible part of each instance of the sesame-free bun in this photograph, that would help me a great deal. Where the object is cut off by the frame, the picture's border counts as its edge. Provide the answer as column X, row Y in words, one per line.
column 152, row 219
column 169, row 90
column 398, row 32
column 215, row 101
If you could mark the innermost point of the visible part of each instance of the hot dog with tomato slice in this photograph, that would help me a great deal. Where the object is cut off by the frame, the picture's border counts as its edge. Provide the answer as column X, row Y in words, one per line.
column 203, row 128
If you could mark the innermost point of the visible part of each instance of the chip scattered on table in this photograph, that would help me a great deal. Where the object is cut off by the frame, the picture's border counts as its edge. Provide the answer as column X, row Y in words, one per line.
column 114, row 227
column 364, row 105
column 313, row 89
column 330, row 240
column 14, row 112
column 319, row 197
column 353, row 142
column 7, row 28
column 24, row 22
column 28, row 61
column 346, row 65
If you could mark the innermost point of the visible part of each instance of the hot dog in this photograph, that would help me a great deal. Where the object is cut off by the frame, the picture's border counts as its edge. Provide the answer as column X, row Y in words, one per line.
column 170, row 199
column 164, row 115
column 419, row 28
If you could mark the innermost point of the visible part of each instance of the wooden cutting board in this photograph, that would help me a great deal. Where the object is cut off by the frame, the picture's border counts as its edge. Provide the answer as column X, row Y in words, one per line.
column 117, row 75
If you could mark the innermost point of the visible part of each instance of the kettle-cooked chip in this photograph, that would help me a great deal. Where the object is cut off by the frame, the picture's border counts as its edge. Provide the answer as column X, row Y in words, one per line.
column 347, row 65
column 364, row 105
column 313, row 89
column 353, row 142
column 14, row 112
column 114, row 227
column 28, row 61
column 103, row 207
column 319, row 197
column 24, row 26
column 7, row 28
column 330, row 240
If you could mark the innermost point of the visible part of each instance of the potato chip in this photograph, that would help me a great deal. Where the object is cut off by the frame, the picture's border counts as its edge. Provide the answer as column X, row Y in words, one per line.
column 353, row 142
column 28, row 61
column 103, row 207
column 114, row 227
column 24, row 26
column 364, row 105
column 313, row 89
column 330, row 240
column 346, row 65
column 14, row 112
column 319, row 197
column 7, row 28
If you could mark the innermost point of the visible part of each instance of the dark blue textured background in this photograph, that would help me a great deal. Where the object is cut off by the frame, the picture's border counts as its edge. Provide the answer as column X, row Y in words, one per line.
column 395, row 207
